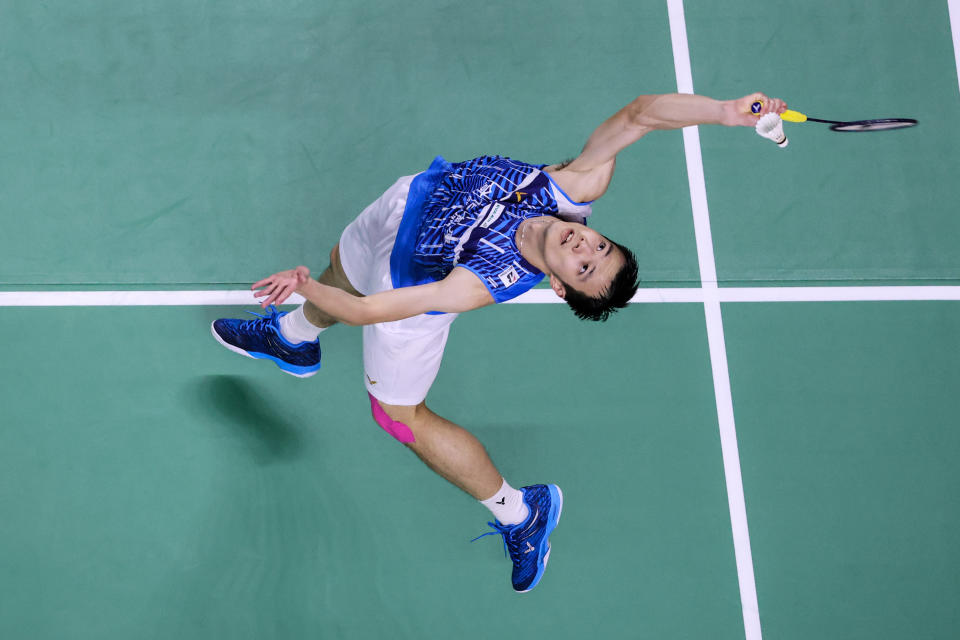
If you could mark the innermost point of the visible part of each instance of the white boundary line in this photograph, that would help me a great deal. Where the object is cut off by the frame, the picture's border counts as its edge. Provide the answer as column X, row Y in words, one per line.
column 243, row 297
column 953, row 7
column 715, row 338
column 837, row 294
column 130, row 298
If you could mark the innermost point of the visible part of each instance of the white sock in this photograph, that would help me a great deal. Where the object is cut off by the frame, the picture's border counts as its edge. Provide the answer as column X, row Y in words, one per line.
column 296, row 328
column 507, row 505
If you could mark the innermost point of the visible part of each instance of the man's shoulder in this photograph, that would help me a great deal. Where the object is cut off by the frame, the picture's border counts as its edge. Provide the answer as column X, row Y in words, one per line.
column 581, row 187
column 468, row 286
column 494, row 283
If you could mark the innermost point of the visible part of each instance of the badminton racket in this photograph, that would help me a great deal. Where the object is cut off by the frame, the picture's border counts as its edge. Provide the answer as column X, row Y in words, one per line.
column 875, row 124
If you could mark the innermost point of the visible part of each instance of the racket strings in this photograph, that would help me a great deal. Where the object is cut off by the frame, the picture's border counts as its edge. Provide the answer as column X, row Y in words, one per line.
column 876, row 124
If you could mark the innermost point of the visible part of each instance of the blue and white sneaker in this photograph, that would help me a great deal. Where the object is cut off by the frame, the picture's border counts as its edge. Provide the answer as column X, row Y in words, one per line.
column 261, row 338
column 527, row 542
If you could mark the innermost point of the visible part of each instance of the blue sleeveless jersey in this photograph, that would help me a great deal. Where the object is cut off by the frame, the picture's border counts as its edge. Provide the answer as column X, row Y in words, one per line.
column 467, row 214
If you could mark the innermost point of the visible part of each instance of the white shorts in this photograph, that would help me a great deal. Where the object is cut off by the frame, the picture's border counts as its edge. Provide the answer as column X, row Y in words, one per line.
column 401, row 358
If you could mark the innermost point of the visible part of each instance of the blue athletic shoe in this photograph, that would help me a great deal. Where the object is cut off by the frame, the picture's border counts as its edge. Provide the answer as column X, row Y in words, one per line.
column 261, row 338
column 527, row 542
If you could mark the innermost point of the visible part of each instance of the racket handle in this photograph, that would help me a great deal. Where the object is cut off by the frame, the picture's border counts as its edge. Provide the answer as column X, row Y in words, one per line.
column 793, row 116
column 788, row 115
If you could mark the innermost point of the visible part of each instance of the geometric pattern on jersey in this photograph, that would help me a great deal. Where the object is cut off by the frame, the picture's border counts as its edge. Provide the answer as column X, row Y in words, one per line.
column 466, row 214
column 261, row 338
column 527, row 543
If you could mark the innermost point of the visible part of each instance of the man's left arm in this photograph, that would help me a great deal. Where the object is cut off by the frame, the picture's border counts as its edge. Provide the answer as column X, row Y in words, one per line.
column 460, row 291
column 587, row 177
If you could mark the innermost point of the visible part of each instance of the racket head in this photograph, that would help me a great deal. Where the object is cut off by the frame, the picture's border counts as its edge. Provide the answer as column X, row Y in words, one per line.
column 881, row 124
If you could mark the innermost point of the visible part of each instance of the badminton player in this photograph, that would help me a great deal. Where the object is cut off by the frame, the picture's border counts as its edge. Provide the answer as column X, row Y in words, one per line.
column 457, row 237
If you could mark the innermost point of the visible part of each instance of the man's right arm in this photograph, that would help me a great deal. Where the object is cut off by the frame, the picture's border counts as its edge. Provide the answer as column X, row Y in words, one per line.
column 587, row 177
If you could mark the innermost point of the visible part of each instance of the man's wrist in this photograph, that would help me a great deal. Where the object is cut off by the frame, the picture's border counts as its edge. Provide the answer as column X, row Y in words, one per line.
column 729, row 116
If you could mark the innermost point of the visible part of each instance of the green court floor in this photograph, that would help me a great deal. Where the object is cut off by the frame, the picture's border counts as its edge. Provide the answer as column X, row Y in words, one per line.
column 199, row 146
column 846, row 416
column 154, row 485
column 200, row 494
column 833, row 207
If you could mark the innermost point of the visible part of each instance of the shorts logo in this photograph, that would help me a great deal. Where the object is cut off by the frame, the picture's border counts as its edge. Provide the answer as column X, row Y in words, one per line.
column 495, row 211
column 372, row 382
column 509, row 276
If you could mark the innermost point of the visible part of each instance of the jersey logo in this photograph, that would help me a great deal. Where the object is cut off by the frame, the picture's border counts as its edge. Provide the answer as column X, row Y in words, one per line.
column 495, row 211
column 516, row 197
column 509, row 276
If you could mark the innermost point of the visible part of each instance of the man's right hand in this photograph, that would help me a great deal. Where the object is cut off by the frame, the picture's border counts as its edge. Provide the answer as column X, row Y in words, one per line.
column 739, row 113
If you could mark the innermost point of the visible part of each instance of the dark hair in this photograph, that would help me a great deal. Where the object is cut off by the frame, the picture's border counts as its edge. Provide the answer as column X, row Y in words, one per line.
column 614, row 297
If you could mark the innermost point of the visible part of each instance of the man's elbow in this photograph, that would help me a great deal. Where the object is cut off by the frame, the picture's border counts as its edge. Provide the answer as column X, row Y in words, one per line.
column 358, row 314
column 372, row 311
column 638, row 111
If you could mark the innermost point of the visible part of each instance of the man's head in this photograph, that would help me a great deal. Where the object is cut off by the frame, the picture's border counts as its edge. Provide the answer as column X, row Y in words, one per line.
column 595, row 275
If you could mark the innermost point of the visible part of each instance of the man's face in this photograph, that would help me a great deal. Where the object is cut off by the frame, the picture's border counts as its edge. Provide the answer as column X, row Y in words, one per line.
column 581, row 258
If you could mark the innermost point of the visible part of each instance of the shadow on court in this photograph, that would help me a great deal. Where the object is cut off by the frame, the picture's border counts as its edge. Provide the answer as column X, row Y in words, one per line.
column 249, row 415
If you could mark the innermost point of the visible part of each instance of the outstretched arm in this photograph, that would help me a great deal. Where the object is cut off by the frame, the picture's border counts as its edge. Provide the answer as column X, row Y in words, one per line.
column 586, row 178
column 460, row 291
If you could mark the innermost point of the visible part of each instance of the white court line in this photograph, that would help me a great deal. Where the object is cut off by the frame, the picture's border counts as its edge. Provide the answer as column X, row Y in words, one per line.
column 536, row 296
column 129, row 298
column 953, row 7
column 715, row 339
column 837, row 294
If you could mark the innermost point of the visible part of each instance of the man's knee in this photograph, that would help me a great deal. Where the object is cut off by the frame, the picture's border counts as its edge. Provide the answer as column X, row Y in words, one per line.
column 395, row 419
column 335, row 276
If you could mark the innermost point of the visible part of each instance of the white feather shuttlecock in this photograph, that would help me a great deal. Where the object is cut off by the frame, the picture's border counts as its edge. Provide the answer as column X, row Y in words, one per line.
column 770, row 127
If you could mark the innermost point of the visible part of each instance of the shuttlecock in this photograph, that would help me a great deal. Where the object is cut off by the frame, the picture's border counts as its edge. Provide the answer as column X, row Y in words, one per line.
column 770, row 126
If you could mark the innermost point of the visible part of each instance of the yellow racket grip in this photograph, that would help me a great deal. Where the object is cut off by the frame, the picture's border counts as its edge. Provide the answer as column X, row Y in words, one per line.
column 793, row 116
column 788, row 115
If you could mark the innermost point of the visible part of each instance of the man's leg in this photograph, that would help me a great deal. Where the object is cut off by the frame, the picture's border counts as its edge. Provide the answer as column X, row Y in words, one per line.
column 401, row 360
column 333, row 276
column 305, row 323
column 525, row 517
column 448, row 449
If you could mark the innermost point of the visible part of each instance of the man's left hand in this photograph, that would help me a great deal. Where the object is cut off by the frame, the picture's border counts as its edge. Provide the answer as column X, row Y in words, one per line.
column 280, row 286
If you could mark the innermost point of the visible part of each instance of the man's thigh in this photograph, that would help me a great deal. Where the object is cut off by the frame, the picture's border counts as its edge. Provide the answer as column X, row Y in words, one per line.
column 334, row 275
column 401, row 359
